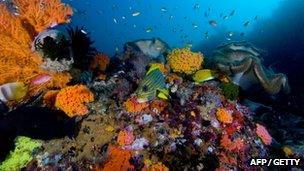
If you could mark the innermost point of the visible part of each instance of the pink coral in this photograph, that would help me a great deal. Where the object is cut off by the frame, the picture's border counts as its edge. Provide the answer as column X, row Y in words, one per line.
column 262, row 132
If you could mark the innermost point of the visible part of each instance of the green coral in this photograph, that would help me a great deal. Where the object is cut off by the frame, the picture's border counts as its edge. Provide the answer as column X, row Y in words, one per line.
column 230, row 90
column 22, row 154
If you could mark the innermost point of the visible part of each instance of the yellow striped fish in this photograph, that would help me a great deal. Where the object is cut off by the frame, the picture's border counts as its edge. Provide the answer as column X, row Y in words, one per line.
column 204, row 75
column 153, row 85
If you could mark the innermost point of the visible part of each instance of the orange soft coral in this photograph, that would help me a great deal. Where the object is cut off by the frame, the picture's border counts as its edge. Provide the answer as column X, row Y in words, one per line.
column 17, row 61
column 59, row 80
column 100, row 62
column 71, row 100
column 262, row 132
column 223, row 115
column 41, row 14
column 125, row 137
column 133, row 106
column 118, row 159
column 185, row 61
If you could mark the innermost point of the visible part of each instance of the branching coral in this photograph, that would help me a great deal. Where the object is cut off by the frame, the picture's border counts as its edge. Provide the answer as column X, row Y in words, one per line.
column 262, row 132
column 118, row 159
column 185, row 61
column 41, row 14
column 71, row 100
column 223, row 115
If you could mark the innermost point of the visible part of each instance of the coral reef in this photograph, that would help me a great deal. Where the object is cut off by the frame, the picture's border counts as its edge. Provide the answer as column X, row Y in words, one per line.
column 184, row 60
column 70, row 100
column 242, row 62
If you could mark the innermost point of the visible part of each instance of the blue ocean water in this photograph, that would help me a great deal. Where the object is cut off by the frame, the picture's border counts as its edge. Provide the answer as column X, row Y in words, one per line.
column 178, row 22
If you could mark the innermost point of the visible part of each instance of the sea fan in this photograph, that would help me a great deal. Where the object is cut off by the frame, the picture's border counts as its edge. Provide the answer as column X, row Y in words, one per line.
column 81, row 46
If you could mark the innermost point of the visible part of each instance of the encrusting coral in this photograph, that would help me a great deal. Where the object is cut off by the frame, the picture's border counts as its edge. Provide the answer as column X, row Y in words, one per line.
column 17, row 61
column 185, row 61
column 71, row 100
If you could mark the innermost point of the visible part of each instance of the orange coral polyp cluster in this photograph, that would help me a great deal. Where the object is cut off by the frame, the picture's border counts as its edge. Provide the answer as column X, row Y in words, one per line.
column 185, row 61
column 132, row 106
column 223, row 116
column 71, row 100
column 262, row 132
column 118, row 159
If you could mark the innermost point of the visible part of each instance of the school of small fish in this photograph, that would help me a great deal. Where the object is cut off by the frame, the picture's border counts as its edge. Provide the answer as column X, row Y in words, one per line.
column 214, row 22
